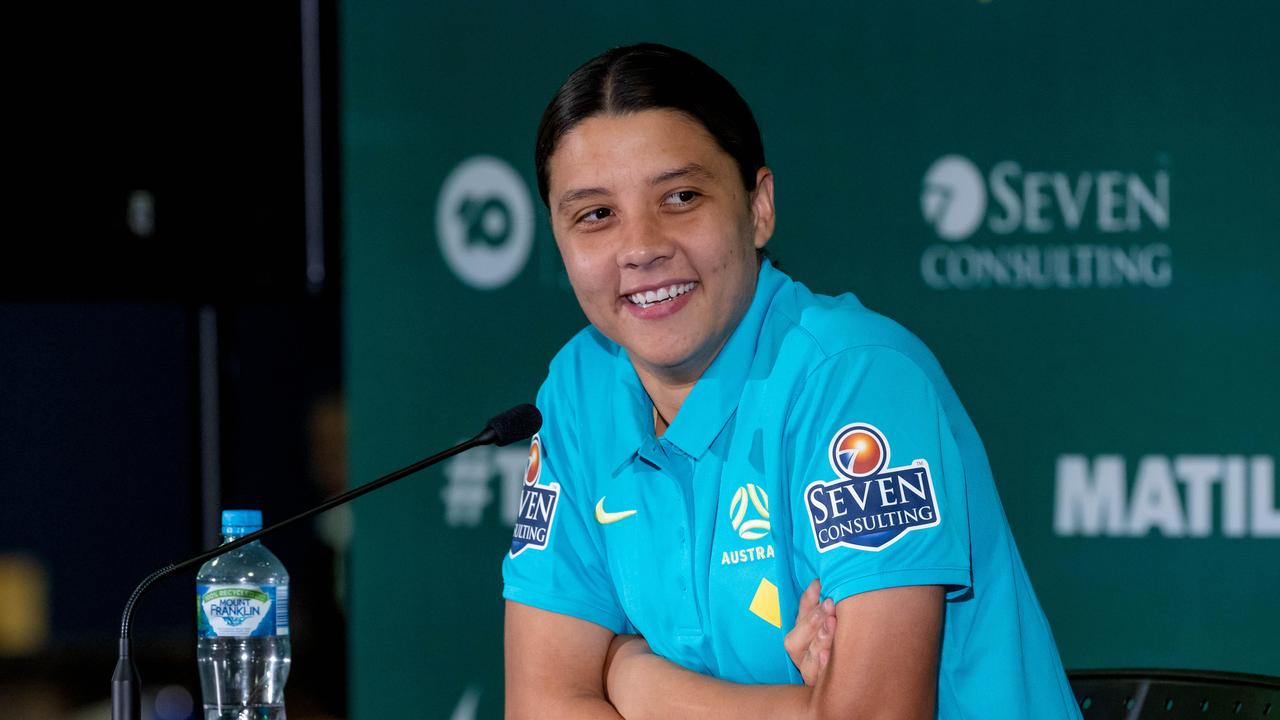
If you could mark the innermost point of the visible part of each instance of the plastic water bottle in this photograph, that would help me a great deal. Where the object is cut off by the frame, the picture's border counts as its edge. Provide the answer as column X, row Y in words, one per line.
column 242, row 649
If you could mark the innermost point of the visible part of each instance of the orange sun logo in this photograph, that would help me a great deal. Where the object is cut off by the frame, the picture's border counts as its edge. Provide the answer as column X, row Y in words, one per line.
column 534, row 470
column 859, row 450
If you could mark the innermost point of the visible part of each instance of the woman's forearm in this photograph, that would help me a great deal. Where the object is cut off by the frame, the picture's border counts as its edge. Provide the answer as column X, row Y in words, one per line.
column 584, row 707
column 644, row 685
column 903, row 625
column 553, row 666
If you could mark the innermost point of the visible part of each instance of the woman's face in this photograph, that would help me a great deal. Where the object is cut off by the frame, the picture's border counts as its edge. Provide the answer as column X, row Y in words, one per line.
column 658, row 234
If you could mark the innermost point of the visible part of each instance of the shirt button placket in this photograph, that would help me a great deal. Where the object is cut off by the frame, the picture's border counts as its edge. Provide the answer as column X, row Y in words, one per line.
column 690, row 618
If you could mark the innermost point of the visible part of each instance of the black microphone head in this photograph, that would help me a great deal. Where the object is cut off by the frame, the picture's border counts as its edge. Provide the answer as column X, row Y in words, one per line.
column 514, row 425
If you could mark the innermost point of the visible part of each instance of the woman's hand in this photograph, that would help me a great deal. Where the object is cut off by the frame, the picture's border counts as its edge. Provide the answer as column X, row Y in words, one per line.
column 809, row 642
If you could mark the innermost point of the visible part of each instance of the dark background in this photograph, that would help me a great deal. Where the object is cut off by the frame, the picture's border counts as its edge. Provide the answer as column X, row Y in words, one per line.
column 100, row 440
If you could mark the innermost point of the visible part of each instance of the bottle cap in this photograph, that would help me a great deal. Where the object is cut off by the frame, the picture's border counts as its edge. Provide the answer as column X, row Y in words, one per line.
column 241, row 522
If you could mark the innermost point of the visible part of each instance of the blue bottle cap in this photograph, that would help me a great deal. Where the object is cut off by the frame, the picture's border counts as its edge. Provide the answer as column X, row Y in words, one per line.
column 241, row 522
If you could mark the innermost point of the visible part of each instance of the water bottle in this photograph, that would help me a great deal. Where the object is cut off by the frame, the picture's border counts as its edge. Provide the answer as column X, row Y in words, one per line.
column 242, row 650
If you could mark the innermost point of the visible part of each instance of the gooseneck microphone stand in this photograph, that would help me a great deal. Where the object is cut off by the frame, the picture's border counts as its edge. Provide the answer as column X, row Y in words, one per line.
column 516, row 424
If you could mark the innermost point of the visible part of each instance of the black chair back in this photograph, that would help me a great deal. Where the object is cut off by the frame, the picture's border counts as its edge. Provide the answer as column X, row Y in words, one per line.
column 1174, row 695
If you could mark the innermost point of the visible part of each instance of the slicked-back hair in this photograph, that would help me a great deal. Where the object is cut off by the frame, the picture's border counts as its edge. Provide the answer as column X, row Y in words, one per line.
column 649, row 76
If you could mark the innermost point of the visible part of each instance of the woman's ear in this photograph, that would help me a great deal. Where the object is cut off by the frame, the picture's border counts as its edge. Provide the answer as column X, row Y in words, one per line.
column 762, row 213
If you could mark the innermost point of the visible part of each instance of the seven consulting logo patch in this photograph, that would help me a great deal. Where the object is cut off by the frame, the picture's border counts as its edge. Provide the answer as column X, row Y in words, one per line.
column 869, row 506
column 537, row 506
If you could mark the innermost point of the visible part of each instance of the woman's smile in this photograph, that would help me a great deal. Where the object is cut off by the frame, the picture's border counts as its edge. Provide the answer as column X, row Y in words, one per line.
column 662, row 301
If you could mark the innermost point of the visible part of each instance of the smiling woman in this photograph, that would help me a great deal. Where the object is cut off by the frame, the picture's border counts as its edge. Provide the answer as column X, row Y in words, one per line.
column 715, row 409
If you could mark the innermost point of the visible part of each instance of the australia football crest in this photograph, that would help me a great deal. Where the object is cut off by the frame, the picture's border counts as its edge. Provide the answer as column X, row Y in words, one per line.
column 753, row 496
column 869, row 506
column 537, row 506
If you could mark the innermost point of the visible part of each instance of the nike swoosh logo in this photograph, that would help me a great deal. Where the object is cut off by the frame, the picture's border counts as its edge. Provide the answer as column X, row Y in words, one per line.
column 608, row 518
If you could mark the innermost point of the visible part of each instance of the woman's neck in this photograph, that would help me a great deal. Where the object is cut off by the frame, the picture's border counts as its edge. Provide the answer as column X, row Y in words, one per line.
column 667, row 395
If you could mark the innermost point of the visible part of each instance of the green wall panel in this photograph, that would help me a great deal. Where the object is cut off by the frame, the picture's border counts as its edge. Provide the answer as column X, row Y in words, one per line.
column 1129, row 405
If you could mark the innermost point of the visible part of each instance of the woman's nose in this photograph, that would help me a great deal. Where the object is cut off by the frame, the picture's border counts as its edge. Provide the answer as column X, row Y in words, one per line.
column 643, row 243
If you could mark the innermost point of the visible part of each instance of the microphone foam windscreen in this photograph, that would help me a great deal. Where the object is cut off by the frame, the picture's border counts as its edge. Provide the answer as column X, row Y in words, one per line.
column 514, row 425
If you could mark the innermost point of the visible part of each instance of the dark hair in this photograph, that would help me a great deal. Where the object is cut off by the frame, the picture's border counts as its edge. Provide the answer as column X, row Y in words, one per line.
column 649, row 76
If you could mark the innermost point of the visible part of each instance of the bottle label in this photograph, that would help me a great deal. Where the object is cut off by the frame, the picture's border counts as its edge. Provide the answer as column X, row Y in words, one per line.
column 242, row 610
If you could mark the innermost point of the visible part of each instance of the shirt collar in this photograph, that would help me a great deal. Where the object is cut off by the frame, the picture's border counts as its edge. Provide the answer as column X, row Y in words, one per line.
column 632, row 412
column 713, row 399
column 715, row 396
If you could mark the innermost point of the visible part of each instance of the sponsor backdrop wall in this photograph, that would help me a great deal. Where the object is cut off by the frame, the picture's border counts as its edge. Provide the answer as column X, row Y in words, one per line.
column 1073, row 204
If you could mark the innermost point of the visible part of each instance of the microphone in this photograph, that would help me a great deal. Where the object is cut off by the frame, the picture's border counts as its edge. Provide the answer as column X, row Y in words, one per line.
column 518, row 423
column 514, row 425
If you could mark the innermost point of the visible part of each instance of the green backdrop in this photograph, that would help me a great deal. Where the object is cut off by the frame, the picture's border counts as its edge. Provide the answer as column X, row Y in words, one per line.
column 1073, row 204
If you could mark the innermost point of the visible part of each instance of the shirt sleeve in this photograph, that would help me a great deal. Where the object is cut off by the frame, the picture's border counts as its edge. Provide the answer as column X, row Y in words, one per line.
column 877, row 490
column 556, row 562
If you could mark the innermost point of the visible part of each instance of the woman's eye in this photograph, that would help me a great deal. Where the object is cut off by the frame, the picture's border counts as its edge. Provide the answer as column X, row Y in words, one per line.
column 682, row 197
column 596, row 215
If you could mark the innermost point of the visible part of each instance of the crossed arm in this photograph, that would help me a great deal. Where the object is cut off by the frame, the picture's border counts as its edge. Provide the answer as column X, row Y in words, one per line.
column 882, row 662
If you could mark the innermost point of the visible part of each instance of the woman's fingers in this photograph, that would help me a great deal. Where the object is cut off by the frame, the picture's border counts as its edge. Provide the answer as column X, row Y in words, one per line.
column 818, row 655
column 810, row 640
column 822, row 642
column 806, row 626
column 809, row 599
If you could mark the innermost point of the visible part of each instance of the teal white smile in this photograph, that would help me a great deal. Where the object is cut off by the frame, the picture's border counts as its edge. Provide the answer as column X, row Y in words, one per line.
column 650, row 298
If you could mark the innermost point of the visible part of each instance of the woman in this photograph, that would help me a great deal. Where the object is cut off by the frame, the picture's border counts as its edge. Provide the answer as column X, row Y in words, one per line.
column 720, row 439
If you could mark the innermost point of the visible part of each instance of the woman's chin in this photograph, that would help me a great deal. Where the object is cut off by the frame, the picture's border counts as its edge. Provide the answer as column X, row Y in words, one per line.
column 668, row 363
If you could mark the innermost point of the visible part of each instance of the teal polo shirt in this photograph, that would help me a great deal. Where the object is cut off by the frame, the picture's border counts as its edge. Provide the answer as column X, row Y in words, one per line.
column 824, row 441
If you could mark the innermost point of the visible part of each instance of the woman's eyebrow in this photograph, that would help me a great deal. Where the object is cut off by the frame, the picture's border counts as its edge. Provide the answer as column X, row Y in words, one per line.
column 692, row 170
column 573, row 196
